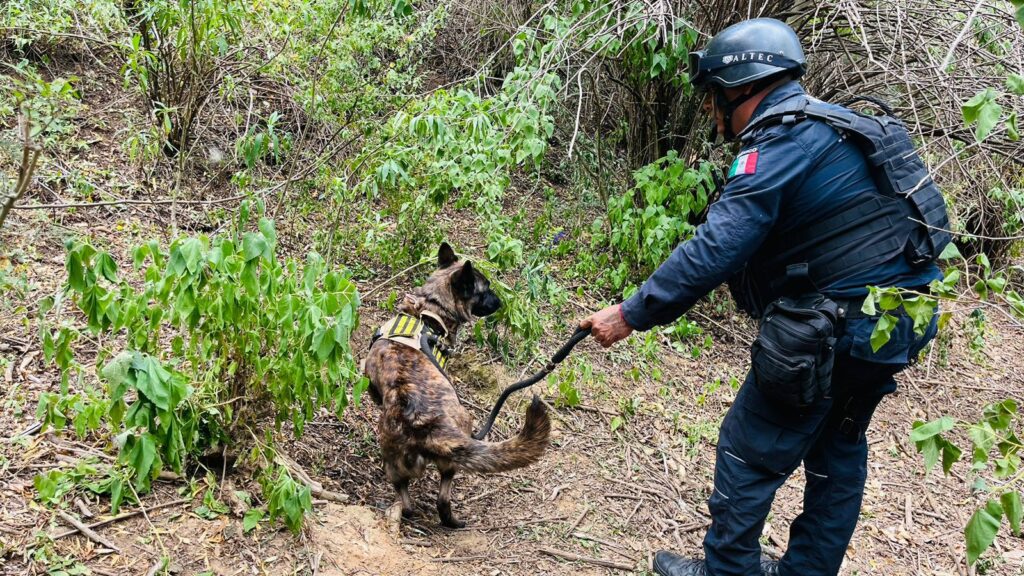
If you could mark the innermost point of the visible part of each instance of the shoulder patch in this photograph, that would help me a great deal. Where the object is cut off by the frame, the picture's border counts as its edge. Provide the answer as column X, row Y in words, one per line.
column 745, row 163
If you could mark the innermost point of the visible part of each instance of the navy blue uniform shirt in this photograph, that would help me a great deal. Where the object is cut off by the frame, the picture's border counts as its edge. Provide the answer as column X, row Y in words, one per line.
column 802, row 172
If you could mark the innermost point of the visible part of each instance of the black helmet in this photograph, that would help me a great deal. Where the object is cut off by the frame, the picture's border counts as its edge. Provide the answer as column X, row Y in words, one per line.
column 747, row 52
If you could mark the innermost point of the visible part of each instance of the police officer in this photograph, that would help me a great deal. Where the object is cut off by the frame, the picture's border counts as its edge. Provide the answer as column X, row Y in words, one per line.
column 786, row 178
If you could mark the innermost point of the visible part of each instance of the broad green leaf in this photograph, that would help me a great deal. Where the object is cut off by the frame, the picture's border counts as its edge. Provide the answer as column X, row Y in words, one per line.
column 76, row 271
column 253, row 245
column 950, row 455
column 923, row 431
column 141, row 458
column 983, row 438
column 106, row 267
column 1013, row 510
column 251, row 519
column 882, row 331
column 921, row 309
column 984, row 111
column 266, row 226
column 981, row 529
column 930, row 448
column 869, row 306
column 116, row 494
column 949, row 252
column 116, row 374
column 151, row 381
column 192, row 253
column 616, row 423
column 1012, row 128
column 1015, row 84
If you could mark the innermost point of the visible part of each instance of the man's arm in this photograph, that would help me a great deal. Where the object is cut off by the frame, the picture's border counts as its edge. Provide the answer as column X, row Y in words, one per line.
column 736, row 226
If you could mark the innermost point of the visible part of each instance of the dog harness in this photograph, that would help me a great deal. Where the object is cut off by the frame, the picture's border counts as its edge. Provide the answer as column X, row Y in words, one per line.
column 415, row 333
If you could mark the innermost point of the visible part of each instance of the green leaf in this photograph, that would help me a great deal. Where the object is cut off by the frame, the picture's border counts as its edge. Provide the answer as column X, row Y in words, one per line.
column 981, row 529
column 930, row 449
column 253, row 245
column 921, row 309
column 869, row 306
column 116, row 493
column 251, row 519
column 882, row 331
column 949, row 252
column 116, row 374
column 950, row 455
column 1015, row 83
column 151, row 381
column 923, row 431
column 106, row 267
column 402, row 8
column 617, row 423
column 266, row 226
column 983, row 110
column 141, row 458
column 76, row 271
column 1012, row 129
column 1012, row 507
column 192, row 253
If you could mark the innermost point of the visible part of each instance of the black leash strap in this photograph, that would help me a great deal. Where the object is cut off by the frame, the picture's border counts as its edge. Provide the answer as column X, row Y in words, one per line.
column 564, row 351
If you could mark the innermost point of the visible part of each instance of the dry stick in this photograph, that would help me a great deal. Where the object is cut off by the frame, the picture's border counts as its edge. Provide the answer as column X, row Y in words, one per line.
column 577, row 558
column 459, row 559
column 87, row 532
column 129, row 201
column 120, row 517
column 577, row 522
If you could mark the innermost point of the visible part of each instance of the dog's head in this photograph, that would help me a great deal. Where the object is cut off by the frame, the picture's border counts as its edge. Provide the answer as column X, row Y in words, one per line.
column 470, row 291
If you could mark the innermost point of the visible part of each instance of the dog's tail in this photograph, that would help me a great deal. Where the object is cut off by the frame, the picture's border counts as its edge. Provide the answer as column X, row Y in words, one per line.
column 522, row 450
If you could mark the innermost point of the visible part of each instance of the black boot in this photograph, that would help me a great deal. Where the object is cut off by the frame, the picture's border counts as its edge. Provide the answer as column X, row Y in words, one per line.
column 669, row 564
column 769, row 567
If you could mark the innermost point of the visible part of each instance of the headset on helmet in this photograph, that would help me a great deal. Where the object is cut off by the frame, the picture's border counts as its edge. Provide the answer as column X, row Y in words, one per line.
column 751, row 52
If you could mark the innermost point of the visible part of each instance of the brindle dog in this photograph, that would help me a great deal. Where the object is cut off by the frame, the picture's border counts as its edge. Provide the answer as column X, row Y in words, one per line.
column 422, row 419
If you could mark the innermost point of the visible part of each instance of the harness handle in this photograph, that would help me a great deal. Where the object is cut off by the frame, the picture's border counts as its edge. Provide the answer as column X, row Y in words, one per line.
column 563, row 352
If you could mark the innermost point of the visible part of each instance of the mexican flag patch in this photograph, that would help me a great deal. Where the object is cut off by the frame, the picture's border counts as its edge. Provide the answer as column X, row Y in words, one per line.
column 745, row 163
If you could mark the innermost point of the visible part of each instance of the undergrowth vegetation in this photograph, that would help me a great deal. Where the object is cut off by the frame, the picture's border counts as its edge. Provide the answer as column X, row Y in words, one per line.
column 560, row 143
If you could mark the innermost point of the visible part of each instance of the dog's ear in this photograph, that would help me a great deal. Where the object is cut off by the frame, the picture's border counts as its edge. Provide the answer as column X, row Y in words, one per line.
column 464, row 281
column 446, row 256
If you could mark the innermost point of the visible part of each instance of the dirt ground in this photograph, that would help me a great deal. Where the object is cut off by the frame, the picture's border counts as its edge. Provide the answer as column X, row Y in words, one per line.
column 600, row 502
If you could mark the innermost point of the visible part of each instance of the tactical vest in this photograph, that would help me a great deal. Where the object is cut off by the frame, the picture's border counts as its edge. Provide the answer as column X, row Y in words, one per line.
column 907, row 216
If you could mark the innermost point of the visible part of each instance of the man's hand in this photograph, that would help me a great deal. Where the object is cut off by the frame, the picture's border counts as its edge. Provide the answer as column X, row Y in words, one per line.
column 607, row 326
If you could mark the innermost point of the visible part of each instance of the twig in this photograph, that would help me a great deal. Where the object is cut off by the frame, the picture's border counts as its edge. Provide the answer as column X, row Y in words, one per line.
column 376, row 288
column 586, row 560
column 87, row 532
column 576, row 523
column 459, row 559
column 120, row 517
column 130, row 202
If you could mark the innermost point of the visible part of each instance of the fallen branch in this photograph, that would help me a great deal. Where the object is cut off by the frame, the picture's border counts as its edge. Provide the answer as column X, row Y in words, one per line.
column 120, row 517
column 586, row 560
column 87, row 532
column 128, row 202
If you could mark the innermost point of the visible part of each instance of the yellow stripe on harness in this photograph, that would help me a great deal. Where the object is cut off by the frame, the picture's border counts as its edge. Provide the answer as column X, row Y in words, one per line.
column 408, row 330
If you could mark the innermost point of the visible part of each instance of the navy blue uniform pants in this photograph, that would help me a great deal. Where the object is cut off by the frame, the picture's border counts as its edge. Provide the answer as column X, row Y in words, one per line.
column 762, row 443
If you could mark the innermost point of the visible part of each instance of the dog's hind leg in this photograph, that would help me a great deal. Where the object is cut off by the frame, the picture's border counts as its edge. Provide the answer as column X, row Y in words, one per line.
column 401, row 484
column 444, row 497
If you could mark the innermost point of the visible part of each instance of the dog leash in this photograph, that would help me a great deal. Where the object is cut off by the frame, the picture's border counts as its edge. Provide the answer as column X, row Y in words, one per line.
column 577, row 337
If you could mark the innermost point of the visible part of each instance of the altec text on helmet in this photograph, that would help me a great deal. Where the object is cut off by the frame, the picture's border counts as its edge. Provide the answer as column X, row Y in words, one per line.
column 765, row 57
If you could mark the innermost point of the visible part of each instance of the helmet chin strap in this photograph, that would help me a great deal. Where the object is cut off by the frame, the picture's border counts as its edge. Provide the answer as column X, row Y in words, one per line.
column 728, row 107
